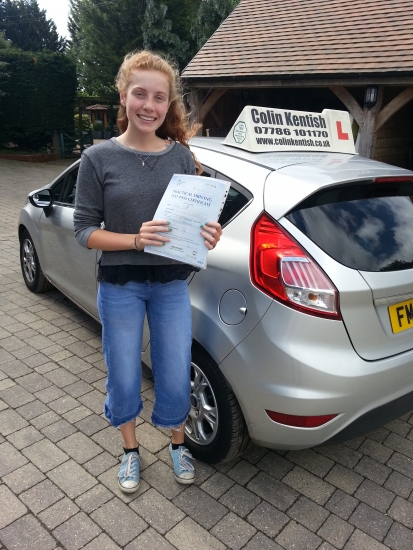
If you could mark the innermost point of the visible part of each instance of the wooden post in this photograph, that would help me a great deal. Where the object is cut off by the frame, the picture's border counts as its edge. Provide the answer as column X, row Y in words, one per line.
column 56, row 144
column 367, row 129
column 371, row 120
column 194, row 101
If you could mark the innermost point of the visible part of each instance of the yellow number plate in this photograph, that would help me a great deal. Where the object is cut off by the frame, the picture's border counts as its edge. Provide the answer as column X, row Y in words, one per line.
column 401, row 316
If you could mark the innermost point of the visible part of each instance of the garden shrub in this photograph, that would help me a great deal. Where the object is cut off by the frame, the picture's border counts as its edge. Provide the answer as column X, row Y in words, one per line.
column 39, row 97
column 86, row 122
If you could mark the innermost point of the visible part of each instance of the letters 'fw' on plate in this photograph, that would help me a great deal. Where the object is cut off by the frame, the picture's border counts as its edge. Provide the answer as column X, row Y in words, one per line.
column 188, row 203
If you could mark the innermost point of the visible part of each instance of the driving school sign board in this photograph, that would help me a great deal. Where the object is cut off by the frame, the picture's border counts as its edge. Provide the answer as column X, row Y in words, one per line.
column 260, row 129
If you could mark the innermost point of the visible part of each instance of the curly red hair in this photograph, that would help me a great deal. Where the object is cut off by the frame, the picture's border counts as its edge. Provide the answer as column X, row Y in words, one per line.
column 176, row 124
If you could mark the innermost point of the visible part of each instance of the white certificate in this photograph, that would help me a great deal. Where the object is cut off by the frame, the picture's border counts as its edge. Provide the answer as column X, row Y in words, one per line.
column 189, row 202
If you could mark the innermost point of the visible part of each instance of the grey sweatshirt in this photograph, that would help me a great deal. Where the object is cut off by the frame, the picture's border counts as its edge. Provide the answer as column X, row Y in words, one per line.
column 113, row 187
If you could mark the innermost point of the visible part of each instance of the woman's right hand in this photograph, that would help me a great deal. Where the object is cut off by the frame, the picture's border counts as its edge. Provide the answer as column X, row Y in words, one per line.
column 148, row 234
column 101, row 239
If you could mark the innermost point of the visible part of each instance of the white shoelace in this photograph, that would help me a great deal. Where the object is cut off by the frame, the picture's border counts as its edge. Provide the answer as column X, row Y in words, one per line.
column 131, row 465
column 183, row 457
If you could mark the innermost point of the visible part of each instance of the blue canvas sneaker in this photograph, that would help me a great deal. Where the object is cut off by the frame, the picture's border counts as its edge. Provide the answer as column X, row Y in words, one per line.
column 183, row 467
column 129, row 473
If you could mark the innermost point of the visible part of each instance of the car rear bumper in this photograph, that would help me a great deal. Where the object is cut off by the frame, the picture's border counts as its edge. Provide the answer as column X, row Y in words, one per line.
column 375, row 418
column 306, row 366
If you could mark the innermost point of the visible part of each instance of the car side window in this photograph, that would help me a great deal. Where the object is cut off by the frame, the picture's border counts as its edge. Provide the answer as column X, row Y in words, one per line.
column 237, row 198
column 69, row 192
column 57, row 189
column 208, row 172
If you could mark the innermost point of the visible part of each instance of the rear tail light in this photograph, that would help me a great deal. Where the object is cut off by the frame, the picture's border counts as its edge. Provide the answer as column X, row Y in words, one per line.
column 300, row 421
column 283, row 270
column 393, row 179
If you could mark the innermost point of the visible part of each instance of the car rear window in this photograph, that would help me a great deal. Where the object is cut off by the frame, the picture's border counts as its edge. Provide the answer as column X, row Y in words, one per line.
column 237, row 197
column 366, row 226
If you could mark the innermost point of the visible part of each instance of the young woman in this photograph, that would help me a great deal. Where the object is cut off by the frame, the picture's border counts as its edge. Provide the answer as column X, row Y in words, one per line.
column 120, row 184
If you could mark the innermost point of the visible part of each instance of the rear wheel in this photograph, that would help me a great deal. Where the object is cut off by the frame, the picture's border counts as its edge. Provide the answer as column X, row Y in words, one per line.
column 31, row 270
column 215, row 430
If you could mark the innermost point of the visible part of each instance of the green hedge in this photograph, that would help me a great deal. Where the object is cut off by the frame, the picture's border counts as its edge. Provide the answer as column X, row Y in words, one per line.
column 39, row 96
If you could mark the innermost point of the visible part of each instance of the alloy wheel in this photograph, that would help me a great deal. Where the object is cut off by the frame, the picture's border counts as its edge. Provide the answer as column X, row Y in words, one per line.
column 29, row 261
column 202, row 423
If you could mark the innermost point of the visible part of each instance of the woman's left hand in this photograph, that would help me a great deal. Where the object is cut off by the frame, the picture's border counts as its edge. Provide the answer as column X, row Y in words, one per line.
column 211, row 232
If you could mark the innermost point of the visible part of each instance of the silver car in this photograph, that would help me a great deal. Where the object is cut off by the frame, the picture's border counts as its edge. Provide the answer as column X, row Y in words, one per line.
column 303, row 320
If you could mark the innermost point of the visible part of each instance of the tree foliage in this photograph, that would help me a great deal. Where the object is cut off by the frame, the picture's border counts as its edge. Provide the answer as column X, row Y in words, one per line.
column 102, row 32
column 27, row 26
column 40, row 95
column 210, row 14
column 4, row 45
column 157, row 30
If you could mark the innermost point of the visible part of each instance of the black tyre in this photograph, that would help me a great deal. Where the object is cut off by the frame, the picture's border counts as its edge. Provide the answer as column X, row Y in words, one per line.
column 31, row 270
column 215, row 430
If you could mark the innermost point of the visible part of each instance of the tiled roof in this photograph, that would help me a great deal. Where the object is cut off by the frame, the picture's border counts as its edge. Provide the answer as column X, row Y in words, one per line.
column 263, row 38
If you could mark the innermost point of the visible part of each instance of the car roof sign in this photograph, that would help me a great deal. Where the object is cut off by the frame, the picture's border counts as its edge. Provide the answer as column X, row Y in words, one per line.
column 260, row 129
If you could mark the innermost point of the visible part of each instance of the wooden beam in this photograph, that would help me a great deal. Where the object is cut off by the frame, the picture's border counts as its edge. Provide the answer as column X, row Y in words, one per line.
column 194, row 102
column 350, row 102
column 210, row 101
column 361, row 81
column 367, row 133
column 395, row 105
column 215, row 117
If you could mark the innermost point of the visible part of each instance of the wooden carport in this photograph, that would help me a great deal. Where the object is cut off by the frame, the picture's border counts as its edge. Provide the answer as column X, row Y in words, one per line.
column 310, row 55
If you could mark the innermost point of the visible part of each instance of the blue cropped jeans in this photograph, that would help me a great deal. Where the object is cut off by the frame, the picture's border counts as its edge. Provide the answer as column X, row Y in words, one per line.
column 122, row 312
